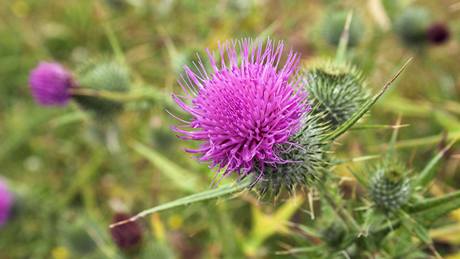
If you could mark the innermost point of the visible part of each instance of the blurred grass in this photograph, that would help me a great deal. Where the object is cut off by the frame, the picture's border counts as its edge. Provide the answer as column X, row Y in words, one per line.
column 55, row 155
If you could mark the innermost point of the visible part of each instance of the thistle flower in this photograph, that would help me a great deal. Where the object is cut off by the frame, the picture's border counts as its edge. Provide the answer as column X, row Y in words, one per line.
column 337, row 90
column 390, row 187
column 246, row 108
column 50, row 84
column 438, row 33
column 6, row 202
column 126, row 236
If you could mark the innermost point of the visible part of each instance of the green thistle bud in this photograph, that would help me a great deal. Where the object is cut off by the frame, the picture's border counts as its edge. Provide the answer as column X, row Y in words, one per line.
column 412, row 25
column 305, row 159
column 337, row 90
column 105, row 76
column 390, row 188
column 334, row 24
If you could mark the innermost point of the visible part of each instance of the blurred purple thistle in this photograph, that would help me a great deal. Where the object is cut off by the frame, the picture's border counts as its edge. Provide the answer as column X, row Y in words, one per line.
column 438, row 33
column 126, row 236
column 245, row 108
column 50, row 84
column 6, row 202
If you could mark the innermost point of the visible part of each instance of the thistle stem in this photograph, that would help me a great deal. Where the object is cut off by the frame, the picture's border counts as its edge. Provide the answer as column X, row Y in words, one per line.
column 347, row 219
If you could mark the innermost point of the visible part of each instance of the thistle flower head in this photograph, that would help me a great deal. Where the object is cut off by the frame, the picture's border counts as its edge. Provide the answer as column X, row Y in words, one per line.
column 50, row 84
column 248, row 105
column 6, row 202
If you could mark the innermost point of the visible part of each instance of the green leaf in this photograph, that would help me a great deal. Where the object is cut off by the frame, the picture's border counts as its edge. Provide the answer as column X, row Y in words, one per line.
column 180, row 177
column 197, row 197
column 366, row 106
column 415, row 227
column 429, row 171
column 431, row 209
column 344, row 38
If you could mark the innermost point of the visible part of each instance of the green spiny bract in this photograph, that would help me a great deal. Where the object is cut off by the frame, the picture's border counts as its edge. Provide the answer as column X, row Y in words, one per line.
column 306, row 159
column 104, row 76
column 334, row 235
column 411, row 26
column 337, row 90
column 390, row 187
column 334, row 24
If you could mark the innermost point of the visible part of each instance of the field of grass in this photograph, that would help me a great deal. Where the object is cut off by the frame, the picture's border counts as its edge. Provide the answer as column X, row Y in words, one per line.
column 73, row 170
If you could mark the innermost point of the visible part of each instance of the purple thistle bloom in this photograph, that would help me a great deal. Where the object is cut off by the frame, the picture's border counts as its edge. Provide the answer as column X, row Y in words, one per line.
column 50, row 84
column 245, row 108
column 6, row 202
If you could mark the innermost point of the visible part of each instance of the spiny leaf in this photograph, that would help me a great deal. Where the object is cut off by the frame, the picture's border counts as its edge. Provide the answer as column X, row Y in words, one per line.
column 197, row 197
column 429, row 171
column 431, row 209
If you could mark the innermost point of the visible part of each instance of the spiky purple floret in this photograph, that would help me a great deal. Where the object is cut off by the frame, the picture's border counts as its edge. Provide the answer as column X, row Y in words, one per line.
column 50, row 84
column 6, row 202
column 245, row 108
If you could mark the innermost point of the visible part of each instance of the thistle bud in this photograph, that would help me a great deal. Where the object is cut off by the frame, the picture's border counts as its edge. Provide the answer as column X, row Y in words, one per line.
column 390, row 187
column 128, row 236
column 334, row 24
column 411, row 26
column 337, row 90
column 105, row 76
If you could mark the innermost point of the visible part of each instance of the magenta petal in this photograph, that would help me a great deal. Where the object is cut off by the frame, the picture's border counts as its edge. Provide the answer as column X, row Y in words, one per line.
column 248, row 105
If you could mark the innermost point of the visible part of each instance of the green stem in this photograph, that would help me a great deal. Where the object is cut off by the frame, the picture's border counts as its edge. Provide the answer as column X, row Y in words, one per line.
column 197, row 197
column 347, row 219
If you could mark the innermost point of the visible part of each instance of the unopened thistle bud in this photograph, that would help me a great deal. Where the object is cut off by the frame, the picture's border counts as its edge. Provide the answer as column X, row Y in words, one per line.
column 334, row 24
column 336, row 90
column 107, row 76
column 390, row 187
column 411, row 26
column 50, row 84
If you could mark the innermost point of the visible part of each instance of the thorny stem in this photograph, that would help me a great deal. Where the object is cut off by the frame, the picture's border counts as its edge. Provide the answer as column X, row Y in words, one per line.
column 347, row 219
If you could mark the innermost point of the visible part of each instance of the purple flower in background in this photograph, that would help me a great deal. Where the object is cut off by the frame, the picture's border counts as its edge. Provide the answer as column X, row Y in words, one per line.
column 6, row 202
column 245, row 108
column 126, row 236
column 50, row 84
column 438, row 33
